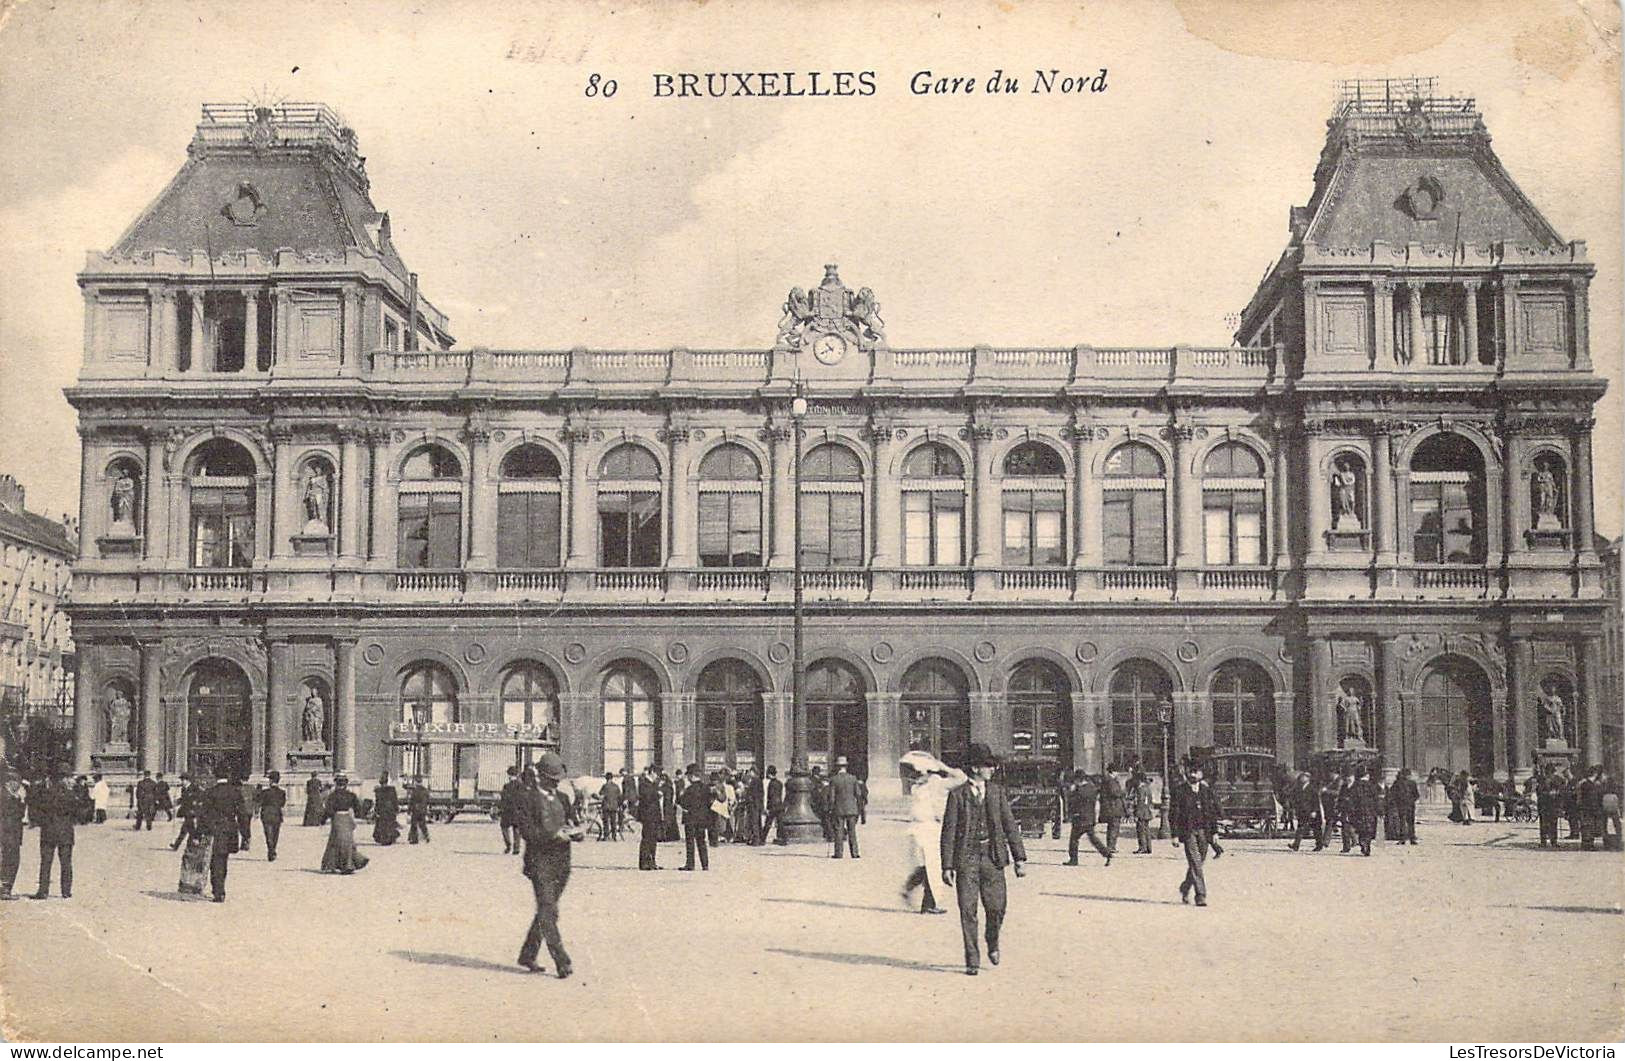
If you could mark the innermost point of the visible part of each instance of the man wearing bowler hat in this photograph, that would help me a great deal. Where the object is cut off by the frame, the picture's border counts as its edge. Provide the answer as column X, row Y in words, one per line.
column 979, row 838
column 546, row 821
column 844, row 807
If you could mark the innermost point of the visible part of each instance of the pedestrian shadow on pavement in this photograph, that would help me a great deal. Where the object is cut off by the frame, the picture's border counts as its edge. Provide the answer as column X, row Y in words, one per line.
column 866, row 959
column 1111, row 899
column 1571, row 909
column 840, row 906
column 458, row 961
column 175, row 897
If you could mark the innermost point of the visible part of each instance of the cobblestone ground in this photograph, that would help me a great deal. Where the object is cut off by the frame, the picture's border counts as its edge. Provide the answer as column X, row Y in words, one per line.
column 1473, row 935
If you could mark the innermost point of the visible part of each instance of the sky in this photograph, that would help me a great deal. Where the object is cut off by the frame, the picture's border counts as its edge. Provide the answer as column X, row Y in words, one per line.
column 540, row 216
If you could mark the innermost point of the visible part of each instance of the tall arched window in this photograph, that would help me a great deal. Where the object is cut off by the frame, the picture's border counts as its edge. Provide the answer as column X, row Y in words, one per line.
column 631, row 700
column 730, row 508
column 530, row 697
column 1134, row 513
column 831, row 508
column 1233, row 505
column 217, row 709
column 221, row 498
column 933, row 507
column 1041, row 713
column 1139, row 691
column 837, row 715
column 429, row 514
column 936, row 710
column 729, row 698
column 1243, row 706
column 629, row 528
column 528, row 526
column 428, row 696
column 1447, row 502
column 1034, row 507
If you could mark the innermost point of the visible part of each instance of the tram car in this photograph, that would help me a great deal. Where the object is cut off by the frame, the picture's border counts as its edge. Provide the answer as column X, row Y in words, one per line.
column 1244, row 780
column 1031, row 783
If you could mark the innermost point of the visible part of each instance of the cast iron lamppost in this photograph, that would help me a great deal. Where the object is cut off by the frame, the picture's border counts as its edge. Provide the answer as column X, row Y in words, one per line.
column 798, row 824
column 1165, row 715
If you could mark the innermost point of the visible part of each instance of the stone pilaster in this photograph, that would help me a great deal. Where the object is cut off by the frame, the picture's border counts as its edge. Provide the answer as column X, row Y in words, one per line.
column 783, row 491
column 684, row 526
column 885, row 734
column 280, row 663
column 888, row 498
column 482, row 517
column 152, row 707
column 344, row 736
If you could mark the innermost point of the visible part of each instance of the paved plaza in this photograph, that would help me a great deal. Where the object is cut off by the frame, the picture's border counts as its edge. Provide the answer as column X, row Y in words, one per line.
column 1475, row 935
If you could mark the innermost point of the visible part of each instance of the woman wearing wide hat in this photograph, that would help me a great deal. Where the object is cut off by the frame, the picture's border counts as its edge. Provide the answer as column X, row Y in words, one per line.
column 341, row 855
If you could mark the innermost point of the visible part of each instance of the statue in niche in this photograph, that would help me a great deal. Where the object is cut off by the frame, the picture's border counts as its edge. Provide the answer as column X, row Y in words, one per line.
column 313, row 718
column 118, row 719
column 1550, row 706
column 1349, row 707
column 1345, row 496
column 122, row 502
column 1545, row 488
column 315, row 498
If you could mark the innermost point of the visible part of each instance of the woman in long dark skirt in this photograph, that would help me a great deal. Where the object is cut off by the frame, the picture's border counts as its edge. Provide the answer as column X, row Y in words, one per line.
column 341, row 855
column 313, row 801
column 386, row 804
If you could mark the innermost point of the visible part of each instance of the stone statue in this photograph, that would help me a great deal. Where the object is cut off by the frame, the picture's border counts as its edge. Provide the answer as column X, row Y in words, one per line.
column 118, row 719
column 313, row 718
column 1349, row 707
column 797, row 311
column 864, row 311
column 1550, row 705
column 1345, row 500
column 315, row 501
column 1545, row 498
column 123, row 501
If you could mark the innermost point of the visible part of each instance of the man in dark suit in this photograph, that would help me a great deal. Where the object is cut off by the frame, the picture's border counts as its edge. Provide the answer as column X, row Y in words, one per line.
column 13, row 810
column 843, row 803
column 696, row 804
column 1588, row 798
column 146, row 800
column 1192, row 818
column 609, row 805
column 651, row 816
column 218, row 809
column 752, row 799
column 1081, row 799
column 546, row 821
column 417, row 809
column 1305, row 797
column 1113, row 808
column 775, row 805
column 505, row 803
column 54, row 810
column 246, row 805
column 160, row 788
column 1402, row 796
column 272, row 799
column 979, row 838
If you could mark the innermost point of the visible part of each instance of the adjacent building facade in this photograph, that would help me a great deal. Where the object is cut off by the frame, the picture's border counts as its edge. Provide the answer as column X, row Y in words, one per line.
column 37, row 660
column 316, row 536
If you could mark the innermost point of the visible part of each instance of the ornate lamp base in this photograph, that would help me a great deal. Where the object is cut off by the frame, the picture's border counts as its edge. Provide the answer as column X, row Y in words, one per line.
column 798, row 824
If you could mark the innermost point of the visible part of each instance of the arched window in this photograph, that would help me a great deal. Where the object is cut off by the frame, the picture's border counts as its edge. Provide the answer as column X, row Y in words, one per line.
column 1548, row 493
column 729, row 698
column 936, row 710
column 1454, row 709
column 1348, row 493
column 1034, row 507
column 1447, row 502
column 1233, row 505
column 837, row 715
column 530, row 697
column 1139, row 692
column 429, row 513
column 933, row 507
column 125, row 499
column 1243, row 706
column 730, row 513
column 629, row 528
column 631, row 700
column 221, row 499
column 1041, row 713
column 528, row 525
column 1134, row 513
column 831, row 508
column 429, row 697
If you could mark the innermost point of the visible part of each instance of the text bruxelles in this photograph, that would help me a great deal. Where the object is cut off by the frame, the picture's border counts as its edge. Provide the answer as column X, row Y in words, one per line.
column 817, row 83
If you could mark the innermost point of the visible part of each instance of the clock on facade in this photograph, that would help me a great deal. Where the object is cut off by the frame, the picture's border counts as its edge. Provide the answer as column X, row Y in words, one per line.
column 829, row 349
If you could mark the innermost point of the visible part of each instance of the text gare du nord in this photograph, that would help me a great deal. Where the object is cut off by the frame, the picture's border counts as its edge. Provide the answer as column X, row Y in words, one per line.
column 793, row 84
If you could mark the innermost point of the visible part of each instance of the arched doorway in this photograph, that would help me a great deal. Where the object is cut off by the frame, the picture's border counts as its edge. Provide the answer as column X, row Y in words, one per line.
column 1243, row 706
column 1454, row 719
column 218, row 726
column 1041, row 714
column 837, row 716
column 1139, row 691
column 729, row 698
column 936, row 710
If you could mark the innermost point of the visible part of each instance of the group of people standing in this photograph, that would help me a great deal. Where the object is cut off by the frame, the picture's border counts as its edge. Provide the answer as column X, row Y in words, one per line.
column 1591, row 804
column 1353, row 800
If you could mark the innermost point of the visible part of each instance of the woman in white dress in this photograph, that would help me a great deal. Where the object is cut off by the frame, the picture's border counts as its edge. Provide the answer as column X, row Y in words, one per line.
column 932, row 780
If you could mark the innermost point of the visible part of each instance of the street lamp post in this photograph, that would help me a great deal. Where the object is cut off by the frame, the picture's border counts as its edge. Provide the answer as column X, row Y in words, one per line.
column 798, row 823
column 1165, row 715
